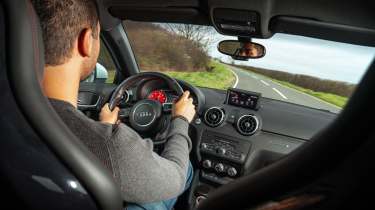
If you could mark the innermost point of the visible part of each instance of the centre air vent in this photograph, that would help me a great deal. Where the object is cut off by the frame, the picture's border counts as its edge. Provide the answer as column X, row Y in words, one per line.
column 214, row 116
column 247, row 124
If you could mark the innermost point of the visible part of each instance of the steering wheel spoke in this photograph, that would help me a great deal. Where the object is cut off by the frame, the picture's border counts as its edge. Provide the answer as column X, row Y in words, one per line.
column 124, row 113
column 167, row 107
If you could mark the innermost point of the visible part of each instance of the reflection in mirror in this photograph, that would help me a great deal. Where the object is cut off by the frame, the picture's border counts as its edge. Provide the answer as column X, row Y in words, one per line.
column 241, row 50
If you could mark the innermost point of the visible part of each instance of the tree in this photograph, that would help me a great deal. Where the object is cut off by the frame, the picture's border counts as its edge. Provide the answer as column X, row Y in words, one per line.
column 202, row 36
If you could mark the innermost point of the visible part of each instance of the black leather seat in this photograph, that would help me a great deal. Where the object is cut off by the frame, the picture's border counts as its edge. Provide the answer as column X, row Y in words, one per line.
column 22, row 37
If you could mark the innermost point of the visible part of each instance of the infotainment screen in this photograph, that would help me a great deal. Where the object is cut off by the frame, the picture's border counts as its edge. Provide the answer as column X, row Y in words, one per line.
column 241, row 98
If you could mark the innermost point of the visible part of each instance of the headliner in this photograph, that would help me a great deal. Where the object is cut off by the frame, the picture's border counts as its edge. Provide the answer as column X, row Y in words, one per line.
column 350, row 22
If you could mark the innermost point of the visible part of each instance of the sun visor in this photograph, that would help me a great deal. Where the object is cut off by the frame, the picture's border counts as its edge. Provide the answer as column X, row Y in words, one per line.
column 177, row 11
column 323, row 30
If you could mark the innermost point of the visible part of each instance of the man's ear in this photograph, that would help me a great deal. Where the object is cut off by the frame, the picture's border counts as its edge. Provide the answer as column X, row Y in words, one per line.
column 85, row 42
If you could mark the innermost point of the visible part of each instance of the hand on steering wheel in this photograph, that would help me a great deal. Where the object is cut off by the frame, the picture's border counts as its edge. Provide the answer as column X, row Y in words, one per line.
column 146, row 116
column 108, row 116
column 184, row 107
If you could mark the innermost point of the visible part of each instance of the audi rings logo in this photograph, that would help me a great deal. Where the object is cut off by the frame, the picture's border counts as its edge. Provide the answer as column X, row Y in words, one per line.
column 145, row 114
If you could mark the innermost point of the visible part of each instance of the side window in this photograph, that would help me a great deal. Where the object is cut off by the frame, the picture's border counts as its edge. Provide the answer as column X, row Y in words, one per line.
column 105, row 69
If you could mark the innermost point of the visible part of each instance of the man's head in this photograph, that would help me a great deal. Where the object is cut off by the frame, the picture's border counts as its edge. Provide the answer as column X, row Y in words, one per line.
column 250, row 50
column 70, row 32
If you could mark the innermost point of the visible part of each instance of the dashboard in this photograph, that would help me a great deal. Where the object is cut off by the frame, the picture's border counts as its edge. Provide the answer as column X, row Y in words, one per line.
column 240, row 132
column 234, row 133
column 163, row 96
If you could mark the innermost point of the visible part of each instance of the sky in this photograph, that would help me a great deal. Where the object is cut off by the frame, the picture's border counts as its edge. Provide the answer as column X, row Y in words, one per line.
column 303, row 55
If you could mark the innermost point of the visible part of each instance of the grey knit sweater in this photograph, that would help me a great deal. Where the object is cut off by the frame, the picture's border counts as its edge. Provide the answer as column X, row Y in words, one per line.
column 143, row 175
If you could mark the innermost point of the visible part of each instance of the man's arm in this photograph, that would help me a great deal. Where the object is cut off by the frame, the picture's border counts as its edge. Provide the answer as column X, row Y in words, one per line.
column 145, row 176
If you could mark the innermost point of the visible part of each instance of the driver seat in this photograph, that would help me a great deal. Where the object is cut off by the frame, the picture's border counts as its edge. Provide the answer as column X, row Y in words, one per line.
column 23, row 55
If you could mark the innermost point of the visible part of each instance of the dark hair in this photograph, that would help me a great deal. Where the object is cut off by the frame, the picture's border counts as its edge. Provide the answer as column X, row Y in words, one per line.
column 62, row 21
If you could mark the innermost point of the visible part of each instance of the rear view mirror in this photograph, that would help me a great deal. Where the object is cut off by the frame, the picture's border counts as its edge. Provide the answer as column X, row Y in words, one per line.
column 241, row 50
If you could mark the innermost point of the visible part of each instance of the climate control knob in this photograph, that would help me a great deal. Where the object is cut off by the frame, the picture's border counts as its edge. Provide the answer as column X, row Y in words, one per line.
column 219, row 167
column 207, row 164
column 232, row 171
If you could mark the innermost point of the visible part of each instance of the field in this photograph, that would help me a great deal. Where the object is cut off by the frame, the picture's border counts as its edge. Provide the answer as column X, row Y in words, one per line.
column 334, row 92
column 111, row 76
column 337, row 100
column 222, row 78
column 219, row 78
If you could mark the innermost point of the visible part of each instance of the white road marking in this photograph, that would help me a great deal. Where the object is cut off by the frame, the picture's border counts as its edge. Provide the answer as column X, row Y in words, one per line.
column 264, row 82
column 313, row 97
column 297, row 91
column 280, row 93
column 235, row 75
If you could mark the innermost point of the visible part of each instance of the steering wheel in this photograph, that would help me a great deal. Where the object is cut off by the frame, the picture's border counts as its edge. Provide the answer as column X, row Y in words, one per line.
column 146, row 116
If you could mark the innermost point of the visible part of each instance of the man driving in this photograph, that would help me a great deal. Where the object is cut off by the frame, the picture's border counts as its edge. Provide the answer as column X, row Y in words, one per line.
column 147, row 180
column 249, row 50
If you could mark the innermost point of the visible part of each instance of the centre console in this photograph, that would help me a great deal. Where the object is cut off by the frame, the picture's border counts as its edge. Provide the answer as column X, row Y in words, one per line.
column 222, row 157
column 224, row 144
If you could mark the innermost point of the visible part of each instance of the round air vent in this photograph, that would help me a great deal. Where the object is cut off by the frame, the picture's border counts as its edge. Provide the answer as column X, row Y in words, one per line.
column 247, row 124
column 214, row 116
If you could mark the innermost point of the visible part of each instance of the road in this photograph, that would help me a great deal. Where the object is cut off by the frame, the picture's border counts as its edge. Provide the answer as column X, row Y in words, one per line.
column 254, row 82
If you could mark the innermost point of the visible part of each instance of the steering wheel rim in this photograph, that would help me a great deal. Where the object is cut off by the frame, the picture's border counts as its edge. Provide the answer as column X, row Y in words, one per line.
column 121, row 88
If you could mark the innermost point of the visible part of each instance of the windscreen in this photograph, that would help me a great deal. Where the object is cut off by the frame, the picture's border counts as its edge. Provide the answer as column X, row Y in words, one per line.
column 306, row 71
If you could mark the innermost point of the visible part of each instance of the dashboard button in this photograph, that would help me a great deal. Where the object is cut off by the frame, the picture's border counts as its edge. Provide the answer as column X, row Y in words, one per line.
column 207, row 164
column 219, row 167
column 232, row 171
column 221, row 151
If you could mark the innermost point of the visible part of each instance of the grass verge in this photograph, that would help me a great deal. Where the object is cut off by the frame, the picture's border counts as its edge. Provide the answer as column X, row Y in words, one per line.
column 337, row 100
column 219, row 78
column 111, row 76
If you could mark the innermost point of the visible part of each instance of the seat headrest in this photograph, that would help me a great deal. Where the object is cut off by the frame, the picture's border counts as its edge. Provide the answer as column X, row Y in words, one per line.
column 25, row 39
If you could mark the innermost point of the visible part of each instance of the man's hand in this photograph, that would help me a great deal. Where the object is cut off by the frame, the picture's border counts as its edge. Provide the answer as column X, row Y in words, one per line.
column 108, row 116
column 184, row 107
